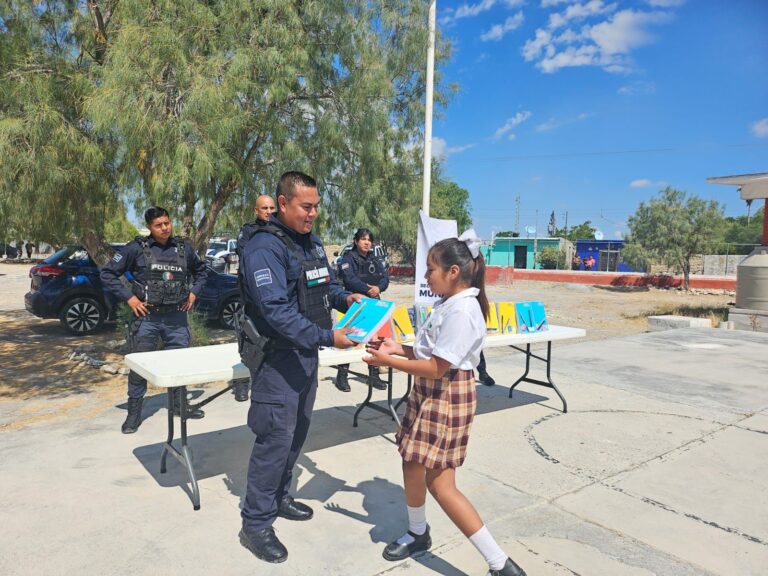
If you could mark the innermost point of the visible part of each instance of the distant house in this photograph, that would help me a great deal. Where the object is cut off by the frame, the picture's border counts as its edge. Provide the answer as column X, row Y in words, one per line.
column 607, row 254
column 517, row 252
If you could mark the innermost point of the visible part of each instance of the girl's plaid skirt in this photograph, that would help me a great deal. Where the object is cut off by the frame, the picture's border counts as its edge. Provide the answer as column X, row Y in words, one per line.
column 438, row 416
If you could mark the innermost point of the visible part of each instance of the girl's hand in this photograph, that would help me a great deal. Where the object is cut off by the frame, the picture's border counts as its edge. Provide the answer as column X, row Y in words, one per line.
column 385, row 345
column 377, row 357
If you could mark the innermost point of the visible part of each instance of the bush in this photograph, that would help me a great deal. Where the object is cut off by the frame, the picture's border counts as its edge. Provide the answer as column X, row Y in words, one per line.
column 551, row 258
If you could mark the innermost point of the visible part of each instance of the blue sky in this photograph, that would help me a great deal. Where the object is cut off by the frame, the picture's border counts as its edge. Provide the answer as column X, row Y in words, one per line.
column 590, row 107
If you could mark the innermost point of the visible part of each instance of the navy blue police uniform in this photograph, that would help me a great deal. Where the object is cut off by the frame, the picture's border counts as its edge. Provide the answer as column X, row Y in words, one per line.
column 163, row 276
column 290, row 290
column 358, row 273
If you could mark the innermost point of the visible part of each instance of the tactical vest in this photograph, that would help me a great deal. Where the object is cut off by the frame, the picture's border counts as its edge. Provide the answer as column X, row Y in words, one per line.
column 367, row 270
column 166, row 279
column 314, row 279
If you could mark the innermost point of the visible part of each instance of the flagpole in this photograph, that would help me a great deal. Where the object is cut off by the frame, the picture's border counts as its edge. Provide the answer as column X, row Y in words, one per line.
column 428, row 110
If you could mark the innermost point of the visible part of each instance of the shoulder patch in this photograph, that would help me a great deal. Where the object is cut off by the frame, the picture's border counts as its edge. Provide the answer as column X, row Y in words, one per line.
column 263, row 277
column 117, row 257
column 345, row 265
column 319, row 251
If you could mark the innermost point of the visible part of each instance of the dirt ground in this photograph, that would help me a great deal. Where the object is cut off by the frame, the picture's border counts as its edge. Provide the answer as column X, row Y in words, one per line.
column 39, row 383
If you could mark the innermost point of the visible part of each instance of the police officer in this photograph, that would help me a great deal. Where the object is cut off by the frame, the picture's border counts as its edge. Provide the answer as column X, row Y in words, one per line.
column 161, row 267
column 362, row 272
column 289, row 291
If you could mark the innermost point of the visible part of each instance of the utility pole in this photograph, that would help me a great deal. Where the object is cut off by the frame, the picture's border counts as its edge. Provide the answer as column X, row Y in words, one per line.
column 517, row 214
column 566, row 223
column 427, row 183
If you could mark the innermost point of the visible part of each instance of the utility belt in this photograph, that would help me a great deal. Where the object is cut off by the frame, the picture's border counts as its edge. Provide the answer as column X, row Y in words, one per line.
column 163, row 308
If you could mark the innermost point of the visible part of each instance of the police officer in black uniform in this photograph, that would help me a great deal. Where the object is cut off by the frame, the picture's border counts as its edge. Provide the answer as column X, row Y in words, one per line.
column 161, row 267
column 289, row 291
column 362, row 272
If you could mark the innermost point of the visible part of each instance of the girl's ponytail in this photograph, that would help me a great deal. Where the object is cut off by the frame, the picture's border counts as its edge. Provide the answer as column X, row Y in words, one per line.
column 478, row 281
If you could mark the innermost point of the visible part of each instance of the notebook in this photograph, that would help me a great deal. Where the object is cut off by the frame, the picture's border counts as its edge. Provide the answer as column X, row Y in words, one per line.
column 507, row 317
column 366, row 318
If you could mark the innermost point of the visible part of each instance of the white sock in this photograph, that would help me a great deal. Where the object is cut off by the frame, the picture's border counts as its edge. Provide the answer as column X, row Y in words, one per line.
column 417, row 523
column 486, row 545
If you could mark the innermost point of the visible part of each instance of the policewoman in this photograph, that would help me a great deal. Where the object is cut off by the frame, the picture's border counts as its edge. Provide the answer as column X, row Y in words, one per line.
column 166, row 277
column 363, row 273
column 290, row 290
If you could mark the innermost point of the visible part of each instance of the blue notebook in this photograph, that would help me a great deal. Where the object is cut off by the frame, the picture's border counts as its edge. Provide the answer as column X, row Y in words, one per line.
column 366, row 318
column 531, row 317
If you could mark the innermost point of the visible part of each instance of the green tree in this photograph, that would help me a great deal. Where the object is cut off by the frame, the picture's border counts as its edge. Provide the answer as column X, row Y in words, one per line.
column 741, row 233
column 672, row 227
column 581, row 231
column 199, row 106
column 449, row 200
column 551, row 258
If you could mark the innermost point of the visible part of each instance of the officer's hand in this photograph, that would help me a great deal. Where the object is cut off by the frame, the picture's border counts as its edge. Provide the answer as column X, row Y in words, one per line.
column 340, row 339
column 189, row 303
column 353, row 298
column 373, row 291
column 138, row 307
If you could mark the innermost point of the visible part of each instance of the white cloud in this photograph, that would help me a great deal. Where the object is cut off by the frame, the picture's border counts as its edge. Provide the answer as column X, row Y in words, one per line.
column 553, row 123
column 665, row 3
column 645, row 183
column 607, row 43
column 441, row 150
column 466, row 11
column 511, row 123
column 637, row 88
column 579, row 12
column 550, row 3
column 625, row 31
column 760, row 128
column 498, row 31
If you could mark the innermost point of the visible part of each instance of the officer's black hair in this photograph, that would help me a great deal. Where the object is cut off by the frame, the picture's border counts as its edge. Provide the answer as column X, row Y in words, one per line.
column 289, row 181
column 154, row 213
column 452, row 251
column 362, row 233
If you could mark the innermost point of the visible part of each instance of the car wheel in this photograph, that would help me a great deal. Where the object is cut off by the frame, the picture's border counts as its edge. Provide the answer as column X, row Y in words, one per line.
column 231, row 313
column 82, row 316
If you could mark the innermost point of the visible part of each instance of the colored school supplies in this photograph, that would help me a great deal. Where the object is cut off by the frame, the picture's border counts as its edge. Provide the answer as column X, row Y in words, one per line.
column 507, row 317
column 531, row 317
column 366, row 318
column 492, row 320
column 402, row 327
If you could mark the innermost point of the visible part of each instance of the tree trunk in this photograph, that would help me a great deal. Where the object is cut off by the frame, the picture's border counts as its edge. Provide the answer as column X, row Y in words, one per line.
column 205, row 228
column 99, row 251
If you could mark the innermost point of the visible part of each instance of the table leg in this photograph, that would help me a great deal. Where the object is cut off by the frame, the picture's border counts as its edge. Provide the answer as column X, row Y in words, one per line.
column 184, row 456
column 366, row 402
column 548, row 361
column 392, row 409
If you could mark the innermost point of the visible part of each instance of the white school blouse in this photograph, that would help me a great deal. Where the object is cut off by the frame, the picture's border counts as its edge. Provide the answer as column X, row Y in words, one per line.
column 455, row 331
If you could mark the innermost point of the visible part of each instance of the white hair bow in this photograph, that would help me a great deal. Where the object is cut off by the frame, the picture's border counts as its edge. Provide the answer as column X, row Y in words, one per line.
column 469, row 237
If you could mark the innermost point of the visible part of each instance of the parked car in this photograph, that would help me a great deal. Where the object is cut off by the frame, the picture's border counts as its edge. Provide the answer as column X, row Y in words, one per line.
column 67, row 286
column 378, row 252
column 221, row 254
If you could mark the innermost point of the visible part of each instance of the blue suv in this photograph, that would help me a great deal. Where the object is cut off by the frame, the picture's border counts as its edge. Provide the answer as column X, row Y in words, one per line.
column 66, row 285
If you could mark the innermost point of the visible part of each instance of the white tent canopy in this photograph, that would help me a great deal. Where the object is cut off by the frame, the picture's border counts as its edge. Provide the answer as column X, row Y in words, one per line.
column 751, row 186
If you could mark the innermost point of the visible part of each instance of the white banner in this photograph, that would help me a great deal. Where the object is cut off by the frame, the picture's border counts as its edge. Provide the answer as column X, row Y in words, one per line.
column 431, row 231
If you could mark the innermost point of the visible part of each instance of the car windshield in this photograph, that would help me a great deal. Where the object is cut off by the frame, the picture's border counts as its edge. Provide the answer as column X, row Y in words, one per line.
column 217, row 246
column 65, row 254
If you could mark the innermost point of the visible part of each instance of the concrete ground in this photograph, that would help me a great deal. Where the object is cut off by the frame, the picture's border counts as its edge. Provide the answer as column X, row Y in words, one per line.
column 659, row 467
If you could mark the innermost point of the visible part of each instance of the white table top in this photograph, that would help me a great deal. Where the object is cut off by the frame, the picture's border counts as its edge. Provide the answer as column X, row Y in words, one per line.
column 188, row 366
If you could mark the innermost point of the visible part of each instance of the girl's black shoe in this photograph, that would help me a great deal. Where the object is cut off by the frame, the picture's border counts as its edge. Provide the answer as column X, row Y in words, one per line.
column 509, row 569
column 395, row 551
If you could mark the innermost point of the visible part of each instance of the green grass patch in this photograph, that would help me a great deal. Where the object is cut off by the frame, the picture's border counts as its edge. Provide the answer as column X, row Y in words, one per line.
column 716, row 314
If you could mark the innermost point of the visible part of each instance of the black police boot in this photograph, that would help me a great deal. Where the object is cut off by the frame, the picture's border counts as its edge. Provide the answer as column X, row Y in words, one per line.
column 395, row 551
column 240, row 389
column 509, row 569
column 485, row 378
column 133, row 420
column 376, row 381
column 341, row 381
column 292, row 510
column 264, row 545
column 195, row 414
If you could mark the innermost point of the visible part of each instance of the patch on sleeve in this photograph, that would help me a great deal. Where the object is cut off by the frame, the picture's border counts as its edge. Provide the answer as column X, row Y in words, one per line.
column 319, row 251
column 263, row 277
column 117, row 257
column 344, row 266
